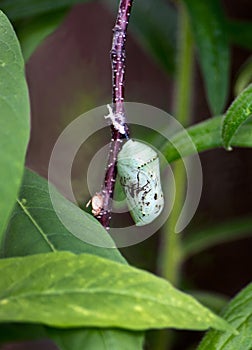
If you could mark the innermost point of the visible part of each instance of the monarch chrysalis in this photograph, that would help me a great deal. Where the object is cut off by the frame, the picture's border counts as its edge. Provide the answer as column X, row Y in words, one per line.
column 139, row 173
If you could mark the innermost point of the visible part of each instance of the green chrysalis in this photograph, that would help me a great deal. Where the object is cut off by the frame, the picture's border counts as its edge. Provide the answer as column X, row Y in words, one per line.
column 139, row 172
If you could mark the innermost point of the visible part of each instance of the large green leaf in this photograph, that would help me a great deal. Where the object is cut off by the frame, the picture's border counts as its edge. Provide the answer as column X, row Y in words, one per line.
column 153, row 24
column 205, row 136
column 239, row 314
column 208, row 23
column 35, row 227
column 237, row 113
column 19, row 9
column 14, row 119
column 66, row 290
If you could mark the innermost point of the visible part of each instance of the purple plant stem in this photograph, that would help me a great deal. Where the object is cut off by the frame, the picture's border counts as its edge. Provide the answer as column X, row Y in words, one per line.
column 117, row 56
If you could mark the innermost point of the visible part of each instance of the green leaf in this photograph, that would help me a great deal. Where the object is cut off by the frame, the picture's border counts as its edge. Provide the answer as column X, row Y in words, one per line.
column 239, row 314
column 205, row 136
column 32, row 34
column 208, row 24
column 73, row 339
column 153, row 24
column 19, row 9
column 66, row 290
column 237, row 113
column 244, row 77
column 35, row 227
column 99, row 340
column 196, row 242
column 23, row 237
column 14, row 121
column 240, row 33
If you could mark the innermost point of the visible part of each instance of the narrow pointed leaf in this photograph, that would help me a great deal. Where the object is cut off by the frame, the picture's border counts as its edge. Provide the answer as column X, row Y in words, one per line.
column 237, row 113
column 208, row 24
column 205, row 136
column 66, row 290
column 14, row 119
column 239, row 314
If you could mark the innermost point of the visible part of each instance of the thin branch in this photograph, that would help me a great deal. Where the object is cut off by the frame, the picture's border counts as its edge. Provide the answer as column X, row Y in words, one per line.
column 119, row 128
